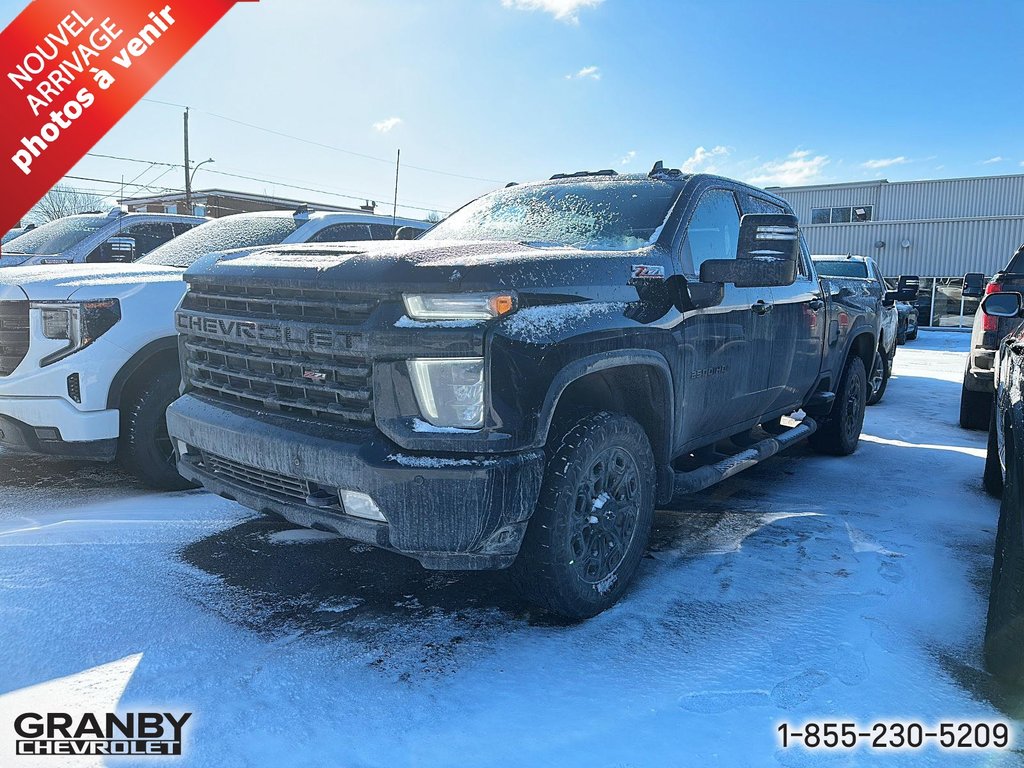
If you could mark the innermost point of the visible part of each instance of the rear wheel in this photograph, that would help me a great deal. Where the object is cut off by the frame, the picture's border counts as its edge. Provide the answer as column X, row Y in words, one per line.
column 596, row 507
column 1004, row 631
column 145, row 445
column 879, row 380
column 911, row 335
column 974, row 408
column 839, row 434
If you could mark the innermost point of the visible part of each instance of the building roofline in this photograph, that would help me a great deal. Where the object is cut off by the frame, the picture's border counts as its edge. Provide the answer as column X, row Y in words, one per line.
column 879, row 182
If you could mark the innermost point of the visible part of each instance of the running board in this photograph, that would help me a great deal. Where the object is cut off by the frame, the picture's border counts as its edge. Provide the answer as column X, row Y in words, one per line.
column 704, row 477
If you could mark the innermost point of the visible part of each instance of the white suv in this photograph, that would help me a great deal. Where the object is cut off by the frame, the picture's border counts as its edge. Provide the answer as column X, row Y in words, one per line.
column 88, row 353
column 96, row 238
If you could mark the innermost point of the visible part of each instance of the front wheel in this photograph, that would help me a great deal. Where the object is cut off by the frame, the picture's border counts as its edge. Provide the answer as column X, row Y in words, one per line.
column 146, row 448
column 880, row 373
column 839, row 434
column 596, row 507
column 993, row 477
column 1004, row 630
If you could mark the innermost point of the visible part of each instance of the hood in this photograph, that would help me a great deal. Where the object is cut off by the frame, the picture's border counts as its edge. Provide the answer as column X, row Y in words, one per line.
column 86, row 281
column 437, row 265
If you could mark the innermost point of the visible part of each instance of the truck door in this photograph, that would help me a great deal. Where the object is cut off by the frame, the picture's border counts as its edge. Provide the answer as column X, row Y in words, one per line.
column 798, row 338
column 724, row 350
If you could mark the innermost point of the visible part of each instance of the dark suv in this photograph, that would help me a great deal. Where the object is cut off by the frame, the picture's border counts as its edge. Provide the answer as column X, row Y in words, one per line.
column 987, row 332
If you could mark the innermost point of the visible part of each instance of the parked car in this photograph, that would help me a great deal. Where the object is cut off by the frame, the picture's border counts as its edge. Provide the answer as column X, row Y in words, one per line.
column 986, row 334
column 88, row 352
column 906, row 329
column 861, row 280
column 522, row 384
column 1004, row 476
column 16, row 232
column 96, row 238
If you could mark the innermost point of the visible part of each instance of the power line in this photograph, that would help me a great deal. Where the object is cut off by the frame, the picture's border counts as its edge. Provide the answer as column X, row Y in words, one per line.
column 322, row 145
column 273, row 182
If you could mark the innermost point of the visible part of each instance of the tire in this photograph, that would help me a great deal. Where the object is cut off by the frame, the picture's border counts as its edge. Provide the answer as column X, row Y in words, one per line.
column 974, row 408
column 912, row 335
column 839, row 434
column 901, row 338
column 1004, row 630
column 879, row 379
column 993, row 477
column 145, row 448
column 568, row 563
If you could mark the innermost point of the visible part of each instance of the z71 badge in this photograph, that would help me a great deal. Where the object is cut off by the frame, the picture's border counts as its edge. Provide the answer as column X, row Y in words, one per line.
column 648, row 272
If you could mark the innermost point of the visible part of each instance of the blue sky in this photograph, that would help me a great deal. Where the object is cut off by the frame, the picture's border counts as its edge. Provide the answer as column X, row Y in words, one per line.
column 499, row 90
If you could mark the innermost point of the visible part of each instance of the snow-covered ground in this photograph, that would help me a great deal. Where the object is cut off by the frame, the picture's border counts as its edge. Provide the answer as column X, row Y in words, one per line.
column 808, row 587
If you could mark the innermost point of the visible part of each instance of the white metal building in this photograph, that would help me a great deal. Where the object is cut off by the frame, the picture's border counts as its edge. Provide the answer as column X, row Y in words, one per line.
column 939, row 229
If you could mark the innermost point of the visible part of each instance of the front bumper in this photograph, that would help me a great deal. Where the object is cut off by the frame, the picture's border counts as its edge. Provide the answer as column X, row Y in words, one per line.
column 54, row 426
column 448, row 512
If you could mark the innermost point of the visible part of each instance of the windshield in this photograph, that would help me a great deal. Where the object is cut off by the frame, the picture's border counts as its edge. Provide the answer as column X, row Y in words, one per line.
column 615, row 215
column 57, row 236
column 240, row 231
column 841, row 268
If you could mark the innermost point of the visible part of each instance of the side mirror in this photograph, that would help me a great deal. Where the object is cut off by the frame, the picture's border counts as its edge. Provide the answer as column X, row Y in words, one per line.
column 906, row 289
column 407, row 233
column 1002, row 304
column 118, row 249
column 973, row 285
column 767, row 253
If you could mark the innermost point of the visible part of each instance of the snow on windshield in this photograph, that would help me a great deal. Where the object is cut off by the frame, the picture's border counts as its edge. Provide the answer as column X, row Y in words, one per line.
column 239, row 231
column 619, row 215
column 56, row 236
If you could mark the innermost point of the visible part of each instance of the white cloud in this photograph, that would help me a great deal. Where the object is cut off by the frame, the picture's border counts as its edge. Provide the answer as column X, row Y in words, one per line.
column 386, row 125
column 797, row 169
column 703, row 160
column 885, row 162
column 563, row 10
column 628, row 157
column 991, row 160
column 593, row 73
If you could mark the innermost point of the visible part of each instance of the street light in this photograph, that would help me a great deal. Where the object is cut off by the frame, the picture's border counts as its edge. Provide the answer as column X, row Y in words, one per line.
column 188, row 187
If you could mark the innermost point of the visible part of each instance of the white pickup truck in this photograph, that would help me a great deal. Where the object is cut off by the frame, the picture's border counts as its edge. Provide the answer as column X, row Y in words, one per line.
column 88, row 352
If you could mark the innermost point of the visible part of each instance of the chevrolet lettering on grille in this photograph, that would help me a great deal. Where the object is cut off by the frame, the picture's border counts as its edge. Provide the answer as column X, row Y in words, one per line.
column 292, row 334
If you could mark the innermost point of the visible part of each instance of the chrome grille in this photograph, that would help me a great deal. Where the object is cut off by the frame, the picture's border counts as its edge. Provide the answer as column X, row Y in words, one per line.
column 332, row 384
column 13, row 335
column 256, row 479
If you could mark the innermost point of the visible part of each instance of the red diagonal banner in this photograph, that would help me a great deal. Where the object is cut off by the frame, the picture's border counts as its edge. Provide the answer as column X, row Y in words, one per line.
column 70, row 70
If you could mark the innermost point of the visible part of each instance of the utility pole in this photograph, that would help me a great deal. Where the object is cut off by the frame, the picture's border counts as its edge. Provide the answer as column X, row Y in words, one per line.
column 394, row 209
column 188, row 171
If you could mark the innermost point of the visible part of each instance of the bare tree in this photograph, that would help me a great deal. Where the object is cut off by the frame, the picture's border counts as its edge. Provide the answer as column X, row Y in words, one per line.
column 62, row 201
column 434, row 216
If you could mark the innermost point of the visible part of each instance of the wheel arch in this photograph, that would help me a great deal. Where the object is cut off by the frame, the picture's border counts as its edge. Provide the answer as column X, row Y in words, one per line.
column 636, row 382
column 152, row 354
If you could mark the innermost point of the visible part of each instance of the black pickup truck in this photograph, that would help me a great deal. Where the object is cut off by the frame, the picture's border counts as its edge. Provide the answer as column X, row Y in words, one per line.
column 521, row 385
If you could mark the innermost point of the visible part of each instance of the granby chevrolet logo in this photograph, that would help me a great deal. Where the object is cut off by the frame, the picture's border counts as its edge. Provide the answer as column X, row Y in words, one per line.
column 293, row 334
column 133, row 733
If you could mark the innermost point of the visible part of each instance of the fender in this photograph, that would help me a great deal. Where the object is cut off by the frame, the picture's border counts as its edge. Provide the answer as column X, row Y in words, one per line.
column 135, row 362
column 857, row 330
column 602, row 362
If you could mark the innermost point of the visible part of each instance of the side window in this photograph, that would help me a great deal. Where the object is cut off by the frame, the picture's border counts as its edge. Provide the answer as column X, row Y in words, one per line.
column 713, row 231
column 382, row 231
column 181, row 227
column 340, row 233
column 148, row 235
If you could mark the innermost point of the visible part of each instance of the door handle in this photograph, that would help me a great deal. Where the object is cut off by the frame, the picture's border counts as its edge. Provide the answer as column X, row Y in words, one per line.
column 761, row 307
column 815, row 304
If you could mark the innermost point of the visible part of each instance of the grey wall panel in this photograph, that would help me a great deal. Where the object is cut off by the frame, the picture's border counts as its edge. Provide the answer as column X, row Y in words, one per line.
column 937, row 248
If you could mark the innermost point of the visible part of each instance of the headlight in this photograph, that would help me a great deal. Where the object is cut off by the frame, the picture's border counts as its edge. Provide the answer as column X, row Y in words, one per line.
column 458, row 306
column 450, row 392
column 80, row 323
